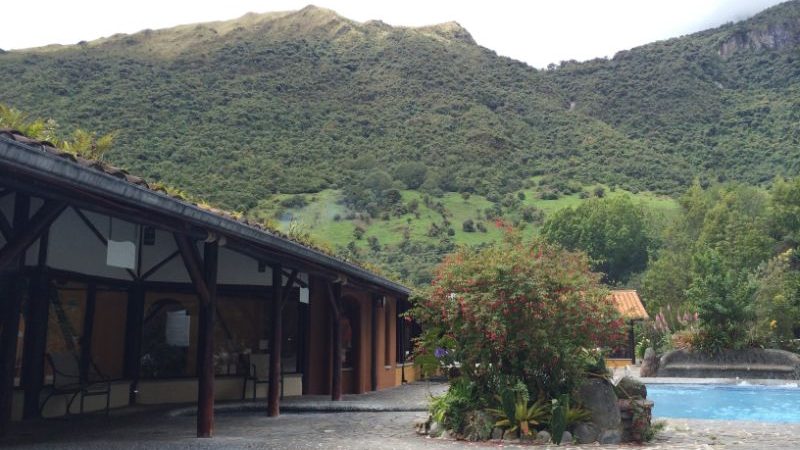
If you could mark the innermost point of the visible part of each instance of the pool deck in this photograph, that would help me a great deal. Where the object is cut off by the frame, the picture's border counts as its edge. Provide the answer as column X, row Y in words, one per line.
column 380, row 427
column 633, row 371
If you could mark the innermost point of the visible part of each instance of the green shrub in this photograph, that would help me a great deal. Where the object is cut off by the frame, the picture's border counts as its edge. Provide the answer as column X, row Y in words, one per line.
column 451, row 408
column 524, row 309
column 558, row 417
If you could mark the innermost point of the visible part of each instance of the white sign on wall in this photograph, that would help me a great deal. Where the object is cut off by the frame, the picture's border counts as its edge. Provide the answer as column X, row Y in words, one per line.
column 178, row 326
column 121, row 254
column 303, row 295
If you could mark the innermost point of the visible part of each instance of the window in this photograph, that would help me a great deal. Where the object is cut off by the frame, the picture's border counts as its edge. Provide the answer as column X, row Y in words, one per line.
column 65, row 321
column 108, row 332
column 169, row 335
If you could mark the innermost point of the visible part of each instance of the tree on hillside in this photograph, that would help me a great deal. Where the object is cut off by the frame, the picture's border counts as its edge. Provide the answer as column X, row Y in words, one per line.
column 785, row 210
column 723, row 297
column 612, row 231
column 412, row 174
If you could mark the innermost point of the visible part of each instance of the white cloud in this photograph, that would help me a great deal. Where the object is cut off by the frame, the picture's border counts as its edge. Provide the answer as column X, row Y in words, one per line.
column 538, row 31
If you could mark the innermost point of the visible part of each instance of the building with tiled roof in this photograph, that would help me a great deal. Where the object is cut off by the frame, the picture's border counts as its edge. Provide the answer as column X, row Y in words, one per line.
column 630, row 306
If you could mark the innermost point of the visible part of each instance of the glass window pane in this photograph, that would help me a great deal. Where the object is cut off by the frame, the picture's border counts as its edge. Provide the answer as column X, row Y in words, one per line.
column 65, row 321
column 108, row 335
column 169, row 335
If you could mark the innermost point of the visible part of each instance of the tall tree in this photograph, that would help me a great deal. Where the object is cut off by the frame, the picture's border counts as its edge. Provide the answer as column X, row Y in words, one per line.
column 612, row 231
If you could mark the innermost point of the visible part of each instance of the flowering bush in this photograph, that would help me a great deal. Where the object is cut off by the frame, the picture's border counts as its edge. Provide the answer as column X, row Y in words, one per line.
column 670, row 329
column 525, row 310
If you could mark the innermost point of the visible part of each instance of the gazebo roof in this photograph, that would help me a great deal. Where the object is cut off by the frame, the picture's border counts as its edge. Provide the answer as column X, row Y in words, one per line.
column 629, row 304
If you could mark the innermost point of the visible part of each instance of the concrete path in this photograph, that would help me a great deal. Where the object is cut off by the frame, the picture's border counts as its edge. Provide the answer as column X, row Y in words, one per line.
column 146, row 428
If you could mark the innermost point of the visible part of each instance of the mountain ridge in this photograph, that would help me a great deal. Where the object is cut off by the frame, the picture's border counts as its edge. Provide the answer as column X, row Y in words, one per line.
column 280, row 102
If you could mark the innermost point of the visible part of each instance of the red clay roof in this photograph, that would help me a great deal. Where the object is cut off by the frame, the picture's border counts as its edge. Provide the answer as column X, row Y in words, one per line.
column 629, row 304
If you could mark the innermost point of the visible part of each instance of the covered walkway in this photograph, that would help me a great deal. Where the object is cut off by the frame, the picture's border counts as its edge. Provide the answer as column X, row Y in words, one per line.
column 170, row 301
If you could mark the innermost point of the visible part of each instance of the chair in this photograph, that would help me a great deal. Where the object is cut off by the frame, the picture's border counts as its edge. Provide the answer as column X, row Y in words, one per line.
column 67, row 381
column 258, row 373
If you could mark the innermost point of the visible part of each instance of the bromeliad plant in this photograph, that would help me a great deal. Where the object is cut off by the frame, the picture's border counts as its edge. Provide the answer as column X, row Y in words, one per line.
column 518, row 415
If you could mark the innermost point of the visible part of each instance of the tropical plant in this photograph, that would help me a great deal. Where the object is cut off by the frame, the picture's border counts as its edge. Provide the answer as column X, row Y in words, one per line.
column 519, row 415
column 577, row 414
column 524, row 309
column 450, row 409
column 558, row 417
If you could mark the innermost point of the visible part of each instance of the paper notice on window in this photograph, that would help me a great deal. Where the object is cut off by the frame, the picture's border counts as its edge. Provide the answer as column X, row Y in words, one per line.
column 303, row 295
column 121, row 254
column 178, row 325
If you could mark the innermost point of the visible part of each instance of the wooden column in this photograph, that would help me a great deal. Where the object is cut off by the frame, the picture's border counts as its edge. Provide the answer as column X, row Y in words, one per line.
column 335, row 296
column 273, row 405
column 204, row 277
column 35, row 345
column 373, row 373
column 133, row 338
column 12, row 256
column 400, row 335
column 205, row 385
column 88, row 330
column 303, row 336
column 632, row 344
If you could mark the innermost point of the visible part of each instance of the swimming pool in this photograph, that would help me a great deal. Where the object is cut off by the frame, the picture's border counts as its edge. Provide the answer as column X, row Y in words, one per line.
column 726, row 402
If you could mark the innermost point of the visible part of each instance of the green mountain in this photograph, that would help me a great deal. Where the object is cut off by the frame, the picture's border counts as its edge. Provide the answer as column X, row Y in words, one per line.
column 412, row 139
column 727, row 100
column 284, row 102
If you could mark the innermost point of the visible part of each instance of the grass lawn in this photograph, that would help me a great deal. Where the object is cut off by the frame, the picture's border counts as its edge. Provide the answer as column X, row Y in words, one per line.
column 326, row 219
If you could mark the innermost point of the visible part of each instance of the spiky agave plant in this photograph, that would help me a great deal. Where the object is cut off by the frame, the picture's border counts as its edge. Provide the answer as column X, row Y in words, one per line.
column 519, row 416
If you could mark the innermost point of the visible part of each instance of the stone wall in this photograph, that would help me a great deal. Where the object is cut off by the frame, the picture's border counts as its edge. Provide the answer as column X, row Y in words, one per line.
column 635, row 416
column 749, row 363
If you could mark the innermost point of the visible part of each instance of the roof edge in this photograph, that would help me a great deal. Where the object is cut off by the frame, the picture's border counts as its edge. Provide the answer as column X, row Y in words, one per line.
column 31, row 159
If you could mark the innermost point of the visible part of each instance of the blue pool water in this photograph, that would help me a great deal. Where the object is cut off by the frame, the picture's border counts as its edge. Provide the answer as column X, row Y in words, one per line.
column 726, row 402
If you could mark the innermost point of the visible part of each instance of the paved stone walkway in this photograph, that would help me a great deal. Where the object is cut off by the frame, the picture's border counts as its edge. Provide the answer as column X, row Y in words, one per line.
column 160, row 428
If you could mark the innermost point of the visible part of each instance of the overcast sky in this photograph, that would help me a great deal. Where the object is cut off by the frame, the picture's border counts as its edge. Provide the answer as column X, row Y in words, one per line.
column 535, row 31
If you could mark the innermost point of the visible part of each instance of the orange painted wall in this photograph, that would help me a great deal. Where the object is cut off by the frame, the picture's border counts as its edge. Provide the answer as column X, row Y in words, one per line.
column 386, row 341
column 358, row 380
column 319, row 344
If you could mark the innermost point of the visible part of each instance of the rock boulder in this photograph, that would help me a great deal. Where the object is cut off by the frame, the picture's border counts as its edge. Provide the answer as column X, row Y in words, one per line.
column 598, row 397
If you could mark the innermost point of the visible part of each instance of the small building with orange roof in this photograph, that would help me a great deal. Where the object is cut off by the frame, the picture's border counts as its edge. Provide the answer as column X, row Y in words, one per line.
column 630, row 306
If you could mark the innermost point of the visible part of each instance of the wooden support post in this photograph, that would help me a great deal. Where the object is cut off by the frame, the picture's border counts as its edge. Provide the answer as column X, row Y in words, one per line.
column 12, row 286
column 632, row 344
column 204, row 278
column 373, row 373
column 273, row 397
column 302, row 344
column 335, row 296
column 88, row 330
column 35, row 345
column 402, row 333
column 134, row 320
column 205, row 387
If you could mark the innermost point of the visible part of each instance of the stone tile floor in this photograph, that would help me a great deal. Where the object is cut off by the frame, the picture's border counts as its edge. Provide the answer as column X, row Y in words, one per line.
column 145, row 428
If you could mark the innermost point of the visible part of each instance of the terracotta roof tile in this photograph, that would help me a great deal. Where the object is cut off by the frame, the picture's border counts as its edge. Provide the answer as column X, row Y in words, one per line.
column 629, row 304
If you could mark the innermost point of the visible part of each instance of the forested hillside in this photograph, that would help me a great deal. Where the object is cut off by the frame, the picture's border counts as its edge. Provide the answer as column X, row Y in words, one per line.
column 727, row 101
column 395, row 144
